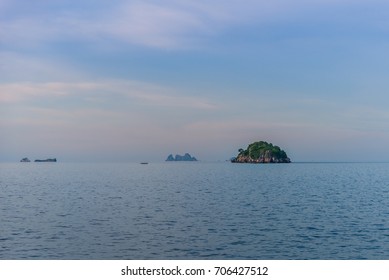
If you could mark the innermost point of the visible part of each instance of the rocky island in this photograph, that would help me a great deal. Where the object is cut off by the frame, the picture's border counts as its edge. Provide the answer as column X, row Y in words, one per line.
column 261, row 152
column 186, row 157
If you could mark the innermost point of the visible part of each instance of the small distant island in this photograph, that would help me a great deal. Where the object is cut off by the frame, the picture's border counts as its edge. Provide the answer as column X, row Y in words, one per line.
column 186, row 157
column 46, row 160
column 261, row 152
column 25, row 160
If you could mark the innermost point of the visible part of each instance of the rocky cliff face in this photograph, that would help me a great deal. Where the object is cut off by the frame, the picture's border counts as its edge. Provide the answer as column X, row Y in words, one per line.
column 264, row 159
column 261, row 152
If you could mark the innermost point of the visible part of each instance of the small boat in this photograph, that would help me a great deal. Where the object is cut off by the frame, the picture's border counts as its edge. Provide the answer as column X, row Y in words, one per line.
column 144, row 163
column 46, row 160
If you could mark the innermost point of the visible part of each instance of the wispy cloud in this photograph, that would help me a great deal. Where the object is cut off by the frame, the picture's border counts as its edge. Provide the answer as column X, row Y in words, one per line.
column 101, row 92
column 167, row 24
column 19, row 67
column 154, row 24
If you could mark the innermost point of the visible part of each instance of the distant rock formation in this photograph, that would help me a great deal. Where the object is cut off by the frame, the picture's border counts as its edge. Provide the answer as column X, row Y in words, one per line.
column 186, row 157
column 170, row 158
column 25, row 160
column 261, row 152
column 46, row 160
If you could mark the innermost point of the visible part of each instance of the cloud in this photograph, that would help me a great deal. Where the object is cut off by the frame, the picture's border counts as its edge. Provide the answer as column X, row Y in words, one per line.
column 101, row 93
column 136, row 22
column 178, row 107
column 18, row 67
column 149, row 23
column 18, row 92
column 154, row 25
column 169, row 24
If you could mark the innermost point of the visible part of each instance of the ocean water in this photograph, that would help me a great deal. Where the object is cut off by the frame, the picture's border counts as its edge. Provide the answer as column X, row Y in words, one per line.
column 194, row 210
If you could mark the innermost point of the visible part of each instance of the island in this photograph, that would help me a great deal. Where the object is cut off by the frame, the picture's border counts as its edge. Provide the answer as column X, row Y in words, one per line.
column 186, row 157
column 261, row 152
column 25, row 160
column 46, row 160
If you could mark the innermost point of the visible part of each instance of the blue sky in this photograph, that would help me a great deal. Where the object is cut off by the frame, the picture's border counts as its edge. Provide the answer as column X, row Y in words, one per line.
column 138, row 80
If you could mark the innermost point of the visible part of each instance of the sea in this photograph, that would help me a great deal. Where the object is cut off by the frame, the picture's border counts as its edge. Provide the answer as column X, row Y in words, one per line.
column 194, row 211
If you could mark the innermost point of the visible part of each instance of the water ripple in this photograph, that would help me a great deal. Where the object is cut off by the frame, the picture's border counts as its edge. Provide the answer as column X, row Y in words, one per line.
column 194, row 211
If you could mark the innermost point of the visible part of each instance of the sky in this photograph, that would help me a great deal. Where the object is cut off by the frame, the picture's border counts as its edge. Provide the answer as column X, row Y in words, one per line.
column 139, row 80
